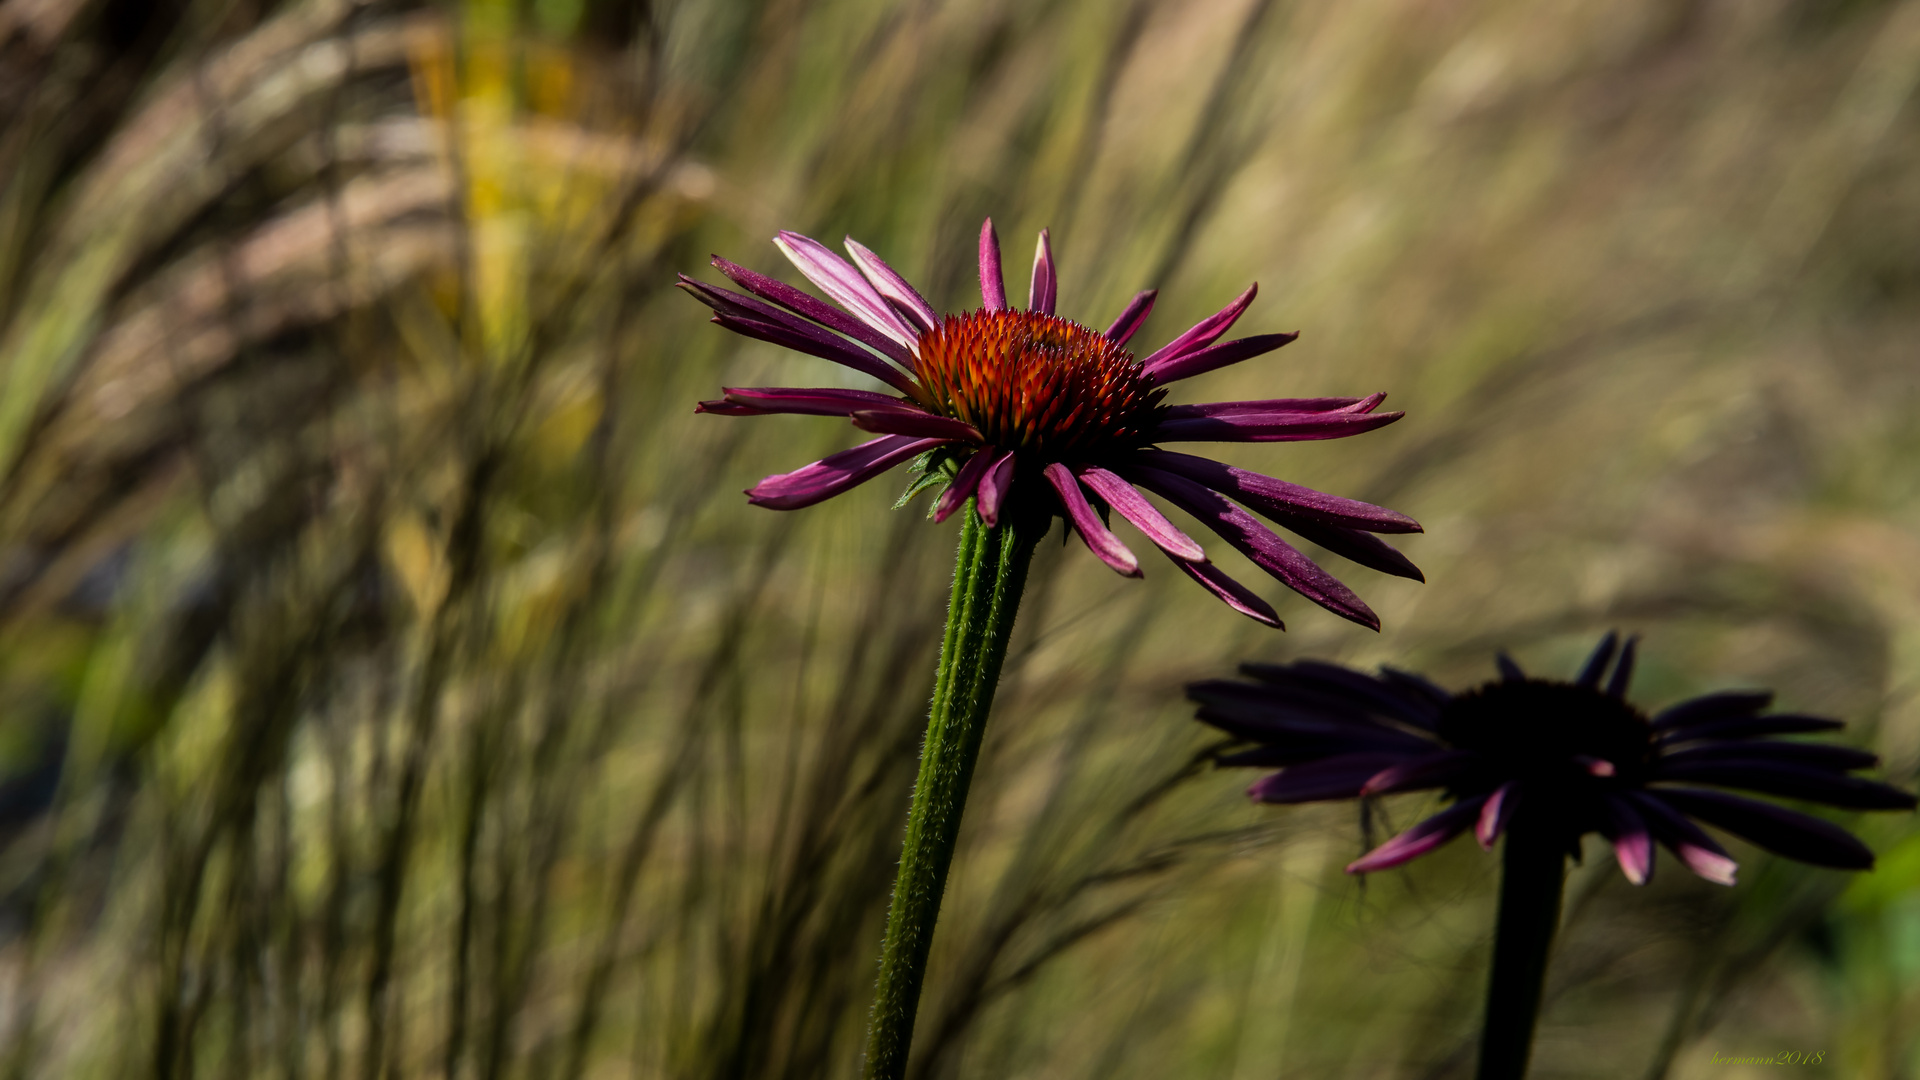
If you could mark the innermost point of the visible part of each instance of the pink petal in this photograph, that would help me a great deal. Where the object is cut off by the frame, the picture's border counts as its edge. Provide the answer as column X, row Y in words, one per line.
column 1269, row 495
column 1206, row 331
column 1420, row 839
column 1695, row 848
column 1417, row 774
column 1130, row 504
column 825, row 314
column 808, row 401
column 832, row 475
column 1232, row 593
column 964, row 483
column 1046, row 285
column 921, row 425
column 1273, row 405
column 1273, row 427
column 1099, row 539
column 1632, row 844
column 890, row 285
column 993, row 288
column 1201, row 361
column 993, row 487
column 1336, row 777
column 1131, row 317
column 845, row 285
column 1495, row 814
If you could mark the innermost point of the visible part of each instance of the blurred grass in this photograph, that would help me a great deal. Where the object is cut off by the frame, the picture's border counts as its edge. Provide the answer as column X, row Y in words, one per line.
column 395, row 683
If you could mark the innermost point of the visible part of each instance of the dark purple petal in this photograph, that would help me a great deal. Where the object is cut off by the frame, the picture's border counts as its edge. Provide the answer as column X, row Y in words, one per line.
column 1046, row 284
column 993, row 488
column 1436, row 770
column 1273, row 427
column 1267, row 495
column 1788, row 782
column 1232, row 593
column 836, row 350
column 1509, row 671
column 844, row 285
column 810, row 401
column 1338, row 777
column 1623, row 670
column 1130, row 504
column 1268, row 716
column 1257, row 542
column 1100, row 540
column 1781, row 831
column 832, row 475
column 1229, row 409
column 1496, row 813
column 1131, row 317
column 796, row 301
column 1225, row 354
column 923, row 425
column 1719, row 706
column 892, row 287
column 1338, row 689
column 1685, row 839
column 1596, row 664
column 1206, row 331
column 993, row 287
column 1632, row 844
column 964, row 483
column 1364, row 548
column 1420, row 839
column 1417, row 685
column 1748, row 727
column 1811, row 755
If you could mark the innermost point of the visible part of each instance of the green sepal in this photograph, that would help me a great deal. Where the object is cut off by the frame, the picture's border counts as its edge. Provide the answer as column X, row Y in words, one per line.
column 937, row 468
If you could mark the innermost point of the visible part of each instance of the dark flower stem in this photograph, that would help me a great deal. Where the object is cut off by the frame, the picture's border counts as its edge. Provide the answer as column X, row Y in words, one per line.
column 989, row 573
column 1531, row 883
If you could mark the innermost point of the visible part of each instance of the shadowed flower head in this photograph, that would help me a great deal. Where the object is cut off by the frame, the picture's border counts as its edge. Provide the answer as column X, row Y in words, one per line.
column 1576, row 754
column 1023, row 407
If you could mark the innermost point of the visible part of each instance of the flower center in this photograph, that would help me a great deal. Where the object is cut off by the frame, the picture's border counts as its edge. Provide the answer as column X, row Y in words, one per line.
column 1035, row 382
column 1537, row 730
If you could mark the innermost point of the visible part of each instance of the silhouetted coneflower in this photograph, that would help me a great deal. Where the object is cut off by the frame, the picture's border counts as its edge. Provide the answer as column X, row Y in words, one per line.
column 1545, row 763
column 1013, row 404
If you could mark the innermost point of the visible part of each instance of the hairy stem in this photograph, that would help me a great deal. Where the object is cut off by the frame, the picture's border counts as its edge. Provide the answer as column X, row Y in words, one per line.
column 989, row 573
column 1531, row 884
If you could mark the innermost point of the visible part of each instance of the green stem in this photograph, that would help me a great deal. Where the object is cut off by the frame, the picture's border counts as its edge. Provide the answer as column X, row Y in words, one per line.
column 1531, row 883
column 989, row 573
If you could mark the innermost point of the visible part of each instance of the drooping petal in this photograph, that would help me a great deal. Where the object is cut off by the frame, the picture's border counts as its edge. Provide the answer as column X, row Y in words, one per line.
column 1364, row 548
column 1212, row 358
column 824, row 346
column 1433, row 771
column 1046, row 283
column 1781, row 831
column 1788, row 781
column 1509, row 671
column 1685, row 839
column 1632, row 844
column 1273, row 427
column 993, row 287
column 1337, row 777
column 1420, row 839
column 1133, row 506
column 1206, row 331
column 1496, row 813
column 993, row 487
column 1100, row 540
column 825, row 314
column 965, row 482
column 921, row 425
column 1418, row 685
column 1255, row 713
column 1749, row 727
column 809, row 401
column 1266, row 495
column 1623, row 670
column 1274, row 405
column 893, row 288
column 1131, row 317
column 1721, row 706
column 840, row 281
column 1596, row 664
column 1331, row 685
column 832, row 475
column 1231, row 592
column 1257, row 542
column 1811, row 755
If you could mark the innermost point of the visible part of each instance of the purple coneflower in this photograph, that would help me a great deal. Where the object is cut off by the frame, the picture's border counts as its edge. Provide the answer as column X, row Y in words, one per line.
column 1011, row 405
column 1545, row 763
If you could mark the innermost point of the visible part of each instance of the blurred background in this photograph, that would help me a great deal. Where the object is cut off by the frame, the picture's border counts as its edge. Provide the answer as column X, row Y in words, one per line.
column 395, row 683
